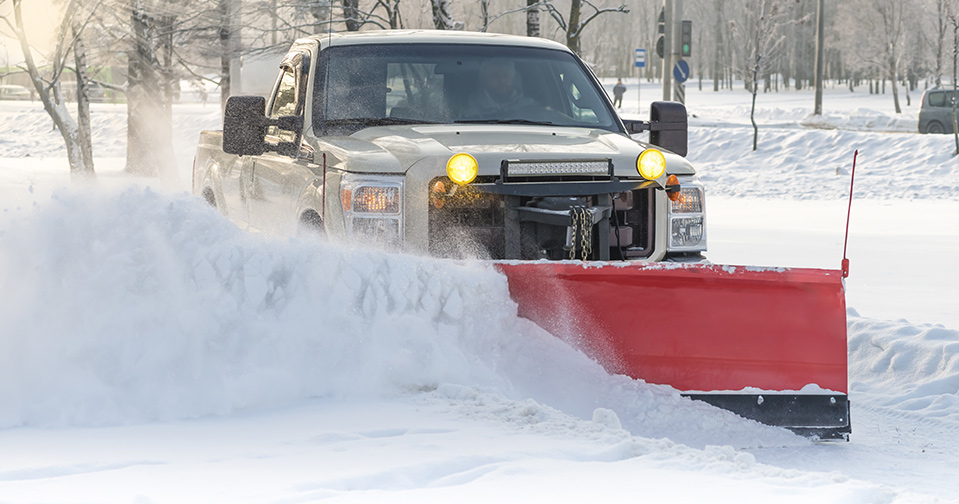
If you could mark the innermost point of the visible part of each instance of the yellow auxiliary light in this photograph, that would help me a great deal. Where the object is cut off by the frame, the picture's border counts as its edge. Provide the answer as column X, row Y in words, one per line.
column 462, row 168
column 651, row 164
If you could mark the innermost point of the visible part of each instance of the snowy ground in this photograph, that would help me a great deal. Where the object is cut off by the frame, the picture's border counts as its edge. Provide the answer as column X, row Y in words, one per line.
column 152, row 352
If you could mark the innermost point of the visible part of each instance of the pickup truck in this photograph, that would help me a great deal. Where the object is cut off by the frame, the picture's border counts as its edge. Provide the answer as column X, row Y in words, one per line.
column 507, row 148
column 454, row 144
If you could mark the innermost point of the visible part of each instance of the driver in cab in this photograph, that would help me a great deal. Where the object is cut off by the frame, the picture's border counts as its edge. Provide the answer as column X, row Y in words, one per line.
column 500, row 93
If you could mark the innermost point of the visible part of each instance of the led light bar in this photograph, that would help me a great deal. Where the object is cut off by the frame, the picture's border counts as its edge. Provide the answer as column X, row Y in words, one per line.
column 552, row 168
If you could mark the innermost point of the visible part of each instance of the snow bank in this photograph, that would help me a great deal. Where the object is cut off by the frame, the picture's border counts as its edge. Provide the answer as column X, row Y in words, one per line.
column 910, row 368
column 135, row 306
column 815, row 164
column 862, row 119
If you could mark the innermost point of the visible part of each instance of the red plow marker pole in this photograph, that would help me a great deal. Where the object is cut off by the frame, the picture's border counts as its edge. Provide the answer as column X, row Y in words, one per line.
column 852, row 180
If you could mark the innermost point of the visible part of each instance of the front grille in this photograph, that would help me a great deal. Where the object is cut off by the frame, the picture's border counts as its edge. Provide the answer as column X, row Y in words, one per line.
column 464, row 222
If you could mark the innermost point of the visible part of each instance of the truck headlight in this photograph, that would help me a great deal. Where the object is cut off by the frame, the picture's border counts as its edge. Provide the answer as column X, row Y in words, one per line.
column 687, row 220
column 373, row 208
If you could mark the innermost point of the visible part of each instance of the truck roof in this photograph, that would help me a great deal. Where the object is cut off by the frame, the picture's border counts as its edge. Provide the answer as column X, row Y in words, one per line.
column 429, row 36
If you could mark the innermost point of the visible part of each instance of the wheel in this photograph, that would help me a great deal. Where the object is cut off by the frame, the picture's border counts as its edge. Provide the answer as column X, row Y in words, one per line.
column 311, row 224
column 209, row 197
column 935, row 127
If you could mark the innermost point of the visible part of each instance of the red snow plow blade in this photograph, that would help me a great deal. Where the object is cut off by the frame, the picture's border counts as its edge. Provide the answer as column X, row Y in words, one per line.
column 768, row 344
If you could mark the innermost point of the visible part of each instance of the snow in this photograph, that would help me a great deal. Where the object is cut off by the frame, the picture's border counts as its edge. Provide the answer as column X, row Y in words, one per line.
column 150, row 351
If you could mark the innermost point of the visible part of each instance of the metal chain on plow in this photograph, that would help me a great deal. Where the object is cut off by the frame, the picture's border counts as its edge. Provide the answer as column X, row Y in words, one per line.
column 582, row 224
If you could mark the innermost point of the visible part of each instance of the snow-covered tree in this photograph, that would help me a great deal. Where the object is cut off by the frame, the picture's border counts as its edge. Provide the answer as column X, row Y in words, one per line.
column 46, row 80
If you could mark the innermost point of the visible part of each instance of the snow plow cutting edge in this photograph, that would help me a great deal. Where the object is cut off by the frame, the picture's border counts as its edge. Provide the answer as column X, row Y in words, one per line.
column 768, row 344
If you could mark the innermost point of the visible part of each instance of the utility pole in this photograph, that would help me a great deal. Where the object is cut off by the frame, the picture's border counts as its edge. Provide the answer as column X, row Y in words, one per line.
column 679, row 89
column 820, row 51
column 668, row 50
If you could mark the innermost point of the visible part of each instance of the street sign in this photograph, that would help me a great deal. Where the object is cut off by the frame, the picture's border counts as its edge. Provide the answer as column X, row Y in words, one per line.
column 681, row 71
column 640, row 58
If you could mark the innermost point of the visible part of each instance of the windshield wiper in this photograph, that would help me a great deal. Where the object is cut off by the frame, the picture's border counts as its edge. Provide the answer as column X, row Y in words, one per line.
column 503, row 121
column 374, row 121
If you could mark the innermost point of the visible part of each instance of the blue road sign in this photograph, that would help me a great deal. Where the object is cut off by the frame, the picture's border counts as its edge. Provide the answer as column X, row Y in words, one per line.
column 681, row 71
column 640, row 58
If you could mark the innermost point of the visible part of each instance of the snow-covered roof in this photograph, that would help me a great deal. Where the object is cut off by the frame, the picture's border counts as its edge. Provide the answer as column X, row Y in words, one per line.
column 430, row 36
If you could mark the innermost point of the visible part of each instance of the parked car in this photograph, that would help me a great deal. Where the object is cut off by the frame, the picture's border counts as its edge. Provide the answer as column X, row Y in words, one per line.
column 14, row 92
column 935, row 115
column 95, row 92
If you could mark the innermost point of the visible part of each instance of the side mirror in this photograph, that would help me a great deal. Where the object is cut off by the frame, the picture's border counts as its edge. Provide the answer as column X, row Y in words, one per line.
column 244, row 127
column 668, row 127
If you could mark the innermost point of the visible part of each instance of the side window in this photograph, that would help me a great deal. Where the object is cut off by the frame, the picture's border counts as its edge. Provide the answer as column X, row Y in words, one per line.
column 284, row 104
column 937, row 99
column 582, row 107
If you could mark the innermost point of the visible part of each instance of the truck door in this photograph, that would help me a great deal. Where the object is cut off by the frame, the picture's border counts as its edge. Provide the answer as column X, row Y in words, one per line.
column 278, row 178
column 235, row 181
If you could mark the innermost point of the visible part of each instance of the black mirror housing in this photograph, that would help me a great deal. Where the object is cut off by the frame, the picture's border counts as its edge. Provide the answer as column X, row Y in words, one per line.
column 668, row 126
column 633, row 126
column 244, row 125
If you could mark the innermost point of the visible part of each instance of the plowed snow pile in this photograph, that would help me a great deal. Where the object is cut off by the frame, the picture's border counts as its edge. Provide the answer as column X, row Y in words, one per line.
column 135, row 307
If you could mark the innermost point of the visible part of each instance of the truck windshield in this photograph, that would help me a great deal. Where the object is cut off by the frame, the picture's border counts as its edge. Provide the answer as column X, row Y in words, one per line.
column 372, row 85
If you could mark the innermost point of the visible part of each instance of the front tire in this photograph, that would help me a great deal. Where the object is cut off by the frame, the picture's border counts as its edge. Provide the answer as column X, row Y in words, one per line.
column 311, row 224
column 209, row 197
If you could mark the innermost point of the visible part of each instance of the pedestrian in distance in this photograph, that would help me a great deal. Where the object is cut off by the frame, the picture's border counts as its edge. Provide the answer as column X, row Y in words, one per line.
column 618, row 91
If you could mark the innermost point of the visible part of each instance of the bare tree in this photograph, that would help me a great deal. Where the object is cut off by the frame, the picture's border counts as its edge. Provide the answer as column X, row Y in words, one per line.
column 876, row 28
column 759, row 37
column 576, row 22
column 47, row 81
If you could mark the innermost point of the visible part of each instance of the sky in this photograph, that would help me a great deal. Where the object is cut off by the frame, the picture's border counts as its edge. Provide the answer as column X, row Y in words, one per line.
column 40, row 31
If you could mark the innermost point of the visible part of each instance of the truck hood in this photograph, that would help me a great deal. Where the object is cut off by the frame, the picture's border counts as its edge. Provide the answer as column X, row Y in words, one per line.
column 397, row 149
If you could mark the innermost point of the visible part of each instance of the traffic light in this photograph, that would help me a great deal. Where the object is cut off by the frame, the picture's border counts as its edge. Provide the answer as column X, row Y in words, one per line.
column 661, row 40
column 686, row 38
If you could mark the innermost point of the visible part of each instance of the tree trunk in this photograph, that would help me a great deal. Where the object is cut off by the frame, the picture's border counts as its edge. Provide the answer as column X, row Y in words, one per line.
column 717, row 49
column 532, row 19
column 442, row 20
column 149, row 127
column 940, row 39
column 893, row 77
column 820, row 55
column 955, row 59
column 572, row 25
column 351, row 12
column 752, row 111
column 83, row 97
column 320, row 10
column 226, row 46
